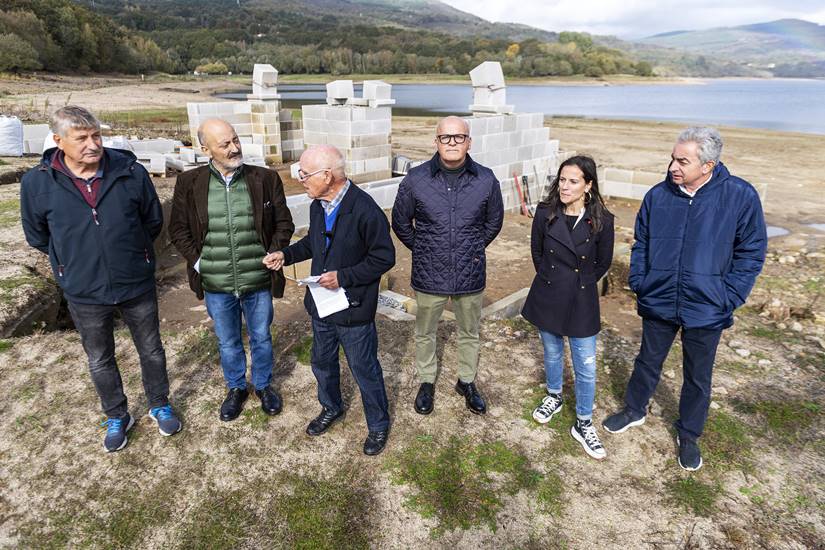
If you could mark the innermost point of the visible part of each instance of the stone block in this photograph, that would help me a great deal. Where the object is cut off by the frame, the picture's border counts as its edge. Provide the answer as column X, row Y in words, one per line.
column 357, row 102
column 339, row 114
column 378, row 103
column 616, row 189
column 495, row 125
column 381, row 126
column 618, row 175
column 492, row 109
column 508, row 123
column 370, row 140
column 377, row 89
column 488, row 74
column 340, row 89
column 312, row 111
column 638, row 191
column 377, row 164
column 485, row 96
column 253, row 150
column 646, row 178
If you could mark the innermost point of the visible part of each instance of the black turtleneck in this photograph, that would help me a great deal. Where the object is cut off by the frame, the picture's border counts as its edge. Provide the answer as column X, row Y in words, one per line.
column 452, row 174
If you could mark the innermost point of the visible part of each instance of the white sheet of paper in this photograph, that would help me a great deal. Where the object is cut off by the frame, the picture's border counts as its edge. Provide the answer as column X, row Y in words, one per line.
column 326, row 301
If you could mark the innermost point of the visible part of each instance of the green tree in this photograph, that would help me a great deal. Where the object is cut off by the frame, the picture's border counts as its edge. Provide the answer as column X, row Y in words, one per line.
column 17, row 54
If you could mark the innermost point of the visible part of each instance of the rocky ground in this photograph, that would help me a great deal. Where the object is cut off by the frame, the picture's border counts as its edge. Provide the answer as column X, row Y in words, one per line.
column 452, row 479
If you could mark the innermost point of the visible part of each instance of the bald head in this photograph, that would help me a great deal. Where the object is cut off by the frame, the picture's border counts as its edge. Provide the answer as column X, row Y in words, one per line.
column 452, row 125
column 322, row 172
column 220, row 142
column 319, row 157
column 452, row 139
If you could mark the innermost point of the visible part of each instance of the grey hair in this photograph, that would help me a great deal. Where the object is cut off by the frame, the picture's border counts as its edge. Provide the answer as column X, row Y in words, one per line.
column 708, row 141
column 72, row 117
column 338, row 166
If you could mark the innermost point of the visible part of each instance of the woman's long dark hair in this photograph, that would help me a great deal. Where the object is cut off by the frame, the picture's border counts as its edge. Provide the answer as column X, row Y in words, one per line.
column 594, row 203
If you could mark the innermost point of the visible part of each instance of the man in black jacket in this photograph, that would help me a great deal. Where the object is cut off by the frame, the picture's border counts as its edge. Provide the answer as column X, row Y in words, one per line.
column 350, row 246
column 95, row 212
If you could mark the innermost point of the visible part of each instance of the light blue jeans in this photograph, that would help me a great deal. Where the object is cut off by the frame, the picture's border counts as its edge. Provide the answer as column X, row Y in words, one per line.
column 583, row 351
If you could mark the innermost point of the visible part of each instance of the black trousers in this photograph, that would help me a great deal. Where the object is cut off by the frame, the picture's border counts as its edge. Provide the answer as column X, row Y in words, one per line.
column 95, row 323
column 698, row 354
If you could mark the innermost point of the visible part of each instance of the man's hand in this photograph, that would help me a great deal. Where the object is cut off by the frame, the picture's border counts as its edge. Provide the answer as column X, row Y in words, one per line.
column 274, row 261
column 329, row 280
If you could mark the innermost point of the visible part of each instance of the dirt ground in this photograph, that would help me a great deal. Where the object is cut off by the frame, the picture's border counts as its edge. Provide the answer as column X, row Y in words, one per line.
column 451, row 479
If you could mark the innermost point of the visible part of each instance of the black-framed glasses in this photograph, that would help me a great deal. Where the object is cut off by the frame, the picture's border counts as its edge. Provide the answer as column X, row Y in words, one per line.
column 303, row 176
column 445, row 139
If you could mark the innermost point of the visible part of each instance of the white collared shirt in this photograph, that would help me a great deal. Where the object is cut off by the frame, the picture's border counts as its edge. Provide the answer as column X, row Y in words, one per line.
column 688, row 193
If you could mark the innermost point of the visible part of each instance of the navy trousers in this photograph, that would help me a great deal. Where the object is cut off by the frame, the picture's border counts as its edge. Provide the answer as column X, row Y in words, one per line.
column 360, row 345
column 698, row 354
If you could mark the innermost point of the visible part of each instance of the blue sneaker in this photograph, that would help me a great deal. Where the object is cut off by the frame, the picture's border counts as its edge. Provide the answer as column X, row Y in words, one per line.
column 168, row 423
column 116, row 429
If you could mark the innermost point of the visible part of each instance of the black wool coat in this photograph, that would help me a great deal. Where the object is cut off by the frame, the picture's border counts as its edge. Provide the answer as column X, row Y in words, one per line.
column 564, row 298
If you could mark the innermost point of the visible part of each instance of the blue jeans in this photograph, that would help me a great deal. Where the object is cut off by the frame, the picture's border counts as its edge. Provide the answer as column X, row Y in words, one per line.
column 698, row 354
column 225, row 310
column 583, row 351
column 360, row 343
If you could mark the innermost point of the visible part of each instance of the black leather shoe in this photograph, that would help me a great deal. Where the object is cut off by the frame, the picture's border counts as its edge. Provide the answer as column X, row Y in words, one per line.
column 424, row 399
column 472, row 398
column 270, row 401
column 323, row 421
column 375, row 442
column 233, row 404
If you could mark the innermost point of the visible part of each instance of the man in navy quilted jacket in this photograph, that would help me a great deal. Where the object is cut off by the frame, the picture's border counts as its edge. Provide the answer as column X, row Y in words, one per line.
column 700, row 244
column 447, row 211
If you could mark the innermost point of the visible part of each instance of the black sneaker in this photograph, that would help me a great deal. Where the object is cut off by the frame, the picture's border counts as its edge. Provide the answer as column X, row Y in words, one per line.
column 690, row 457
column 584, row 432
column 621, row 421
column 549, row 406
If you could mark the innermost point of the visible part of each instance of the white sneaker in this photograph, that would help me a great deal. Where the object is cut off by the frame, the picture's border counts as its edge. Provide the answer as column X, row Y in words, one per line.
column 584, row 432
column 549, row 406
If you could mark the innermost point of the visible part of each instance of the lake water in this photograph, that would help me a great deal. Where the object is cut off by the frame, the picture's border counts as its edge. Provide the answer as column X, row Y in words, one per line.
column 776, row 104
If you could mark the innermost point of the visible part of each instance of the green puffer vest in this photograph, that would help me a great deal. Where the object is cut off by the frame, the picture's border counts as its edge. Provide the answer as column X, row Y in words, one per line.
column 232, row 252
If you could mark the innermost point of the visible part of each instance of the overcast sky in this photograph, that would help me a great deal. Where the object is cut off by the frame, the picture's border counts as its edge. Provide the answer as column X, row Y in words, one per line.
column 640, row 18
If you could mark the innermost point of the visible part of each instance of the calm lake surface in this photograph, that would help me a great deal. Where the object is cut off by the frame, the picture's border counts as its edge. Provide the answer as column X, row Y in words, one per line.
column 777, row 104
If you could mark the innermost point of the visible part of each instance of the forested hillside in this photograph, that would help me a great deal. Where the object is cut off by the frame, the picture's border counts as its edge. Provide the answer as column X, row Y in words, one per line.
column 311, row 36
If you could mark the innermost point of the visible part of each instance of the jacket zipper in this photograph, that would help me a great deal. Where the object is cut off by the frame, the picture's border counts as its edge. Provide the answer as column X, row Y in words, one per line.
column 232, row 249
column 679, row 272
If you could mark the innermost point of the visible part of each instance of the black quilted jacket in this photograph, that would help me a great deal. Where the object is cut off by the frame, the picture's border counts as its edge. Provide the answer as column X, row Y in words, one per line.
column 447, row 228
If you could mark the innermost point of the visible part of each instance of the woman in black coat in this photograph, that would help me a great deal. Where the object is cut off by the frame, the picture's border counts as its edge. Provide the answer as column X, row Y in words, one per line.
column 572, row 247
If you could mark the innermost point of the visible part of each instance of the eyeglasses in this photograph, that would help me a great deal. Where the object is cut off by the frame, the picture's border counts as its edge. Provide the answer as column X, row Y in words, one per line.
column 445, row 139
column 303, row 176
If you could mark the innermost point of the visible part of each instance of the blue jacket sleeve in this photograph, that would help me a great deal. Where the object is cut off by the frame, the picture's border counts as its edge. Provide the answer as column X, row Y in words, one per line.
column 403, row 213
column 33, row 219
column 380, row 255
column 749, row 248
column 495, row 214
column 638, row 253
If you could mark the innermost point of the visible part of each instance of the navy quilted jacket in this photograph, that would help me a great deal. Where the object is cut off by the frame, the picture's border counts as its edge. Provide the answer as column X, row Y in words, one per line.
column 448, row 227
column 696, row 259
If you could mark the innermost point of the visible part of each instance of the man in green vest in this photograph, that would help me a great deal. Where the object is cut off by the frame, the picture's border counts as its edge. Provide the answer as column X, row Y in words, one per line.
column 226, row 216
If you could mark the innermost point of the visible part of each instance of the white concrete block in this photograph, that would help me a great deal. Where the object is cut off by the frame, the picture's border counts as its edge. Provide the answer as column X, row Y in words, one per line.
column 35, row 131
column 377, row 89
column 485, row 96
column 638, row 191
column 618, row 175
column 488, row 74
column 381, row 126
column 378, row 103
column 358, row 102
column 340, row 89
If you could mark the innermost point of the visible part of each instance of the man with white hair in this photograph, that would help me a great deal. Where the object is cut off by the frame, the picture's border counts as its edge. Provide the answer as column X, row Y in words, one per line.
column 350, row 246
column 226, row 216
column 95, row 212
column 447, row 211
column 700, row 244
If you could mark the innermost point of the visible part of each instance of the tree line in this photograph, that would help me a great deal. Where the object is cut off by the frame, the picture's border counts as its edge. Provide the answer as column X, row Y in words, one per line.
column 62, row 36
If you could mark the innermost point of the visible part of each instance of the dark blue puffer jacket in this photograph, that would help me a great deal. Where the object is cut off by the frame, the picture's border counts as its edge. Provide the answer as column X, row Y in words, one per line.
column 448, row 227
column 106, row 258
column 695, row 260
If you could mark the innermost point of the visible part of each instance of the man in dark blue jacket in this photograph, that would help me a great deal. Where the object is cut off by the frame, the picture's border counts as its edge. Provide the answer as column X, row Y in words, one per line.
column 700, row 244
column 447, row 211
column 95, row 212
column 350, row 246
